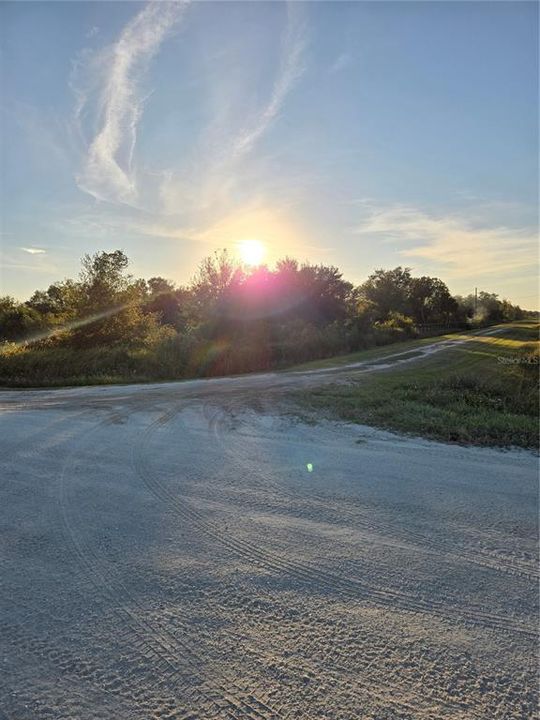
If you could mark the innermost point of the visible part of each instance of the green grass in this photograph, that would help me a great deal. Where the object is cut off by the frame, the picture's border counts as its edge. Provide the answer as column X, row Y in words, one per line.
column 375, row 353
column 53, row 364
column 473, row 394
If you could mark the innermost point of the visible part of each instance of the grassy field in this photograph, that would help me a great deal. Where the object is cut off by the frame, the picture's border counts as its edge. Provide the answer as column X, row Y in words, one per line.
column 374, row 353
column 180, row 358
column 482, row 392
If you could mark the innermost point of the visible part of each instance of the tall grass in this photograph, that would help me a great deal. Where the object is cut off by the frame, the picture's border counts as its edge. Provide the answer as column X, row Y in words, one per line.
column 54, row 363
column 485, row 392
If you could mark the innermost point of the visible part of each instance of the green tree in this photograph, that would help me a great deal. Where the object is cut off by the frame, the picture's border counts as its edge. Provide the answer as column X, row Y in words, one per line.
column 110, row 306
column 18, row 321
column 168, row 303
column 430, row 300
column 59, row 303
column 420, row 293
column 443, row 307
column 217, row 275
column 388, row 290
column 159, row 286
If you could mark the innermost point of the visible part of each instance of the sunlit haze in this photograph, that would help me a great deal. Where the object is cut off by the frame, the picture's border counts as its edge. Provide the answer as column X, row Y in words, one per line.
column 252, row 252
column 355, row 134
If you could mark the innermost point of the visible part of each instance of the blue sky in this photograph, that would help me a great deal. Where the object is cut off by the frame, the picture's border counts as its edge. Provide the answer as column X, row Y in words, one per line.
column 359, row 134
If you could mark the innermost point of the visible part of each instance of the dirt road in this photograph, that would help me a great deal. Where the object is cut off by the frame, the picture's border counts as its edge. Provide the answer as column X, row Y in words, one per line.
column 189, row 551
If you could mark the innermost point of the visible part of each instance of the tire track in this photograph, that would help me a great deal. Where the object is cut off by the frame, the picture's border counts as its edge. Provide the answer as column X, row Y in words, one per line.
column 164, row 645
column 47, row 441
column 70, row 664
column 353, row 589
column 235, row 451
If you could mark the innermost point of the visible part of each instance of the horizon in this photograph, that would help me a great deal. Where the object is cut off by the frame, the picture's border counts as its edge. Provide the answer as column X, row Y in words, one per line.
column 360, row 135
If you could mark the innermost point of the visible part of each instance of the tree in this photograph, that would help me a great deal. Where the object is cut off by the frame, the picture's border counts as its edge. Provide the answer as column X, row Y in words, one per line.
column 17, row 320
column 465, row 308
column 388, row 290
column 489, row 307
column 442, row 305
column 60, row 302
column 314, row 293
column 160, row 286
column 167, row 303
column 364, row 314
column 102, row 278
column 430, row 300
column 110, row 305
column 211, row 287
column 511, row 312
column 326, row 293
column 420, row 294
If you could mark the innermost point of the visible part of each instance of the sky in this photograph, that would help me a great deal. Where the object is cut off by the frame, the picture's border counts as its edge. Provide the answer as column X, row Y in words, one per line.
column 356, row 134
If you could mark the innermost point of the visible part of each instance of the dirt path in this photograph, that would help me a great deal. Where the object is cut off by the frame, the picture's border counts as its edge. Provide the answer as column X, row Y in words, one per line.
column 186, row 551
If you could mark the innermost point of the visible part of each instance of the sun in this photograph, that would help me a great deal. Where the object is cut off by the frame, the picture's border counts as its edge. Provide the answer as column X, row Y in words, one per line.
column 252, row 252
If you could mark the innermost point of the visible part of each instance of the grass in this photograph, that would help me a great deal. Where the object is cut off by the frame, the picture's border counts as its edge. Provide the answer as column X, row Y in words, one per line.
column 375, row 353
column 180, row 358
column 483, row 392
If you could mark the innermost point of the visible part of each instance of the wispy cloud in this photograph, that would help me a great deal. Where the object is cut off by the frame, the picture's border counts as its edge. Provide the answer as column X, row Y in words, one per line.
column 291, row 69
column 34, row 260
column 33, row 250
column 194, row 198
column 226, row 172
column 461, row 247
column 108, row 169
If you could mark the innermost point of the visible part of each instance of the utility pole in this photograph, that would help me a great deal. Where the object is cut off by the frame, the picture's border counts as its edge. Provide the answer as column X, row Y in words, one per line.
column 475, row 300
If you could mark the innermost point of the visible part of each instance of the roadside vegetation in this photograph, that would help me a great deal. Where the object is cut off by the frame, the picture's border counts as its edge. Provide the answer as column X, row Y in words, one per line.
column 107, row 326
column 482, row 392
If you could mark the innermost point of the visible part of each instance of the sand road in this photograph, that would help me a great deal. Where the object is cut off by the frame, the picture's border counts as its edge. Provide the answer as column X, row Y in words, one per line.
column 191, row 551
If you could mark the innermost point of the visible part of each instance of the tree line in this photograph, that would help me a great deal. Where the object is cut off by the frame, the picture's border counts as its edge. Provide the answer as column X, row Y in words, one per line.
column 233, row 318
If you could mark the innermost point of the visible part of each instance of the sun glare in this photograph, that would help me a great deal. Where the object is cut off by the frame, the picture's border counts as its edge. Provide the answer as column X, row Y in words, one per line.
column 252, row 252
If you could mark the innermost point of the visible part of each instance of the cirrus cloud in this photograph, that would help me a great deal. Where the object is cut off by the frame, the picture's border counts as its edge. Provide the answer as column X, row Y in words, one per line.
column 462, row 247
column 107, row 171
column 33, row 250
